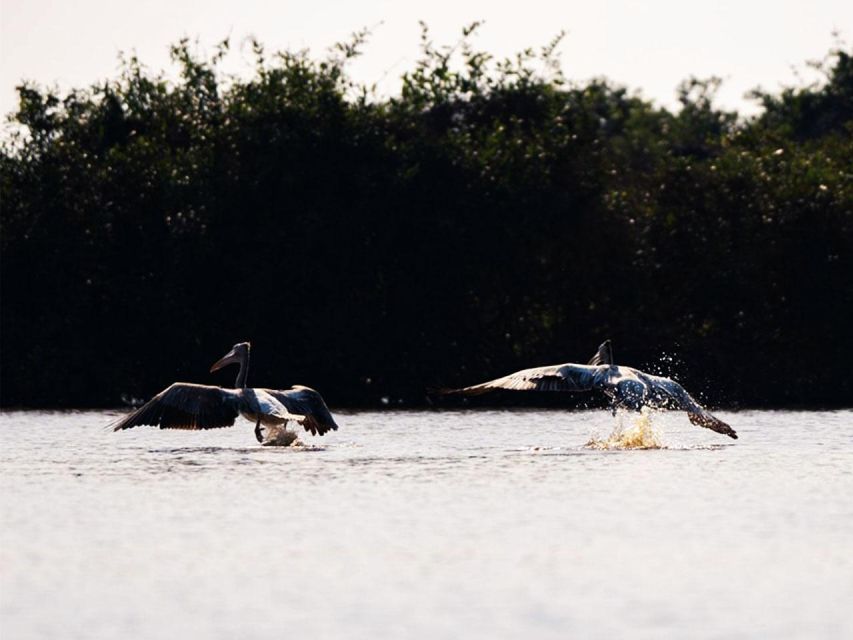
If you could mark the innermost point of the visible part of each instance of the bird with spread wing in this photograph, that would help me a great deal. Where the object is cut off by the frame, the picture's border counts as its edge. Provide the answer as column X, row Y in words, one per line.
column 185, row 405
column 626, row 387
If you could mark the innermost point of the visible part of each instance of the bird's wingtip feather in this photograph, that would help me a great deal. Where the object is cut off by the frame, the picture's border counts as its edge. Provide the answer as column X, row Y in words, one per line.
column 441, row 391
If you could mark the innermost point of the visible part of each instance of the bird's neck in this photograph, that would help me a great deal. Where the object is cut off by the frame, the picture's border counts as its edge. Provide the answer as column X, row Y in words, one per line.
column 243, row 373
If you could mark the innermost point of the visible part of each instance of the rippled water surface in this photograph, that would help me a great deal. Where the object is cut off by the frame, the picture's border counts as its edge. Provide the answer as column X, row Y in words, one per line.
column 466, row 524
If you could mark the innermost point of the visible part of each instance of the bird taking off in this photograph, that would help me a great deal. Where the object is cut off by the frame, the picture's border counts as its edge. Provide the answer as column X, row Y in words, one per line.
column 626, row 387
column 185, row 405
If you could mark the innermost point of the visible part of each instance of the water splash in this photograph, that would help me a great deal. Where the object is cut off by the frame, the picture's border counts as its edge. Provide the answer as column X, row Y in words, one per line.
column 639, row 434
column 275, row 436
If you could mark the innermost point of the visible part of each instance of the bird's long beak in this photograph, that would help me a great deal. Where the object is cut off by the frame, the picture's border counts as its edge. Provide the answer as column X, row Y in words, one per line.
column 228, row 358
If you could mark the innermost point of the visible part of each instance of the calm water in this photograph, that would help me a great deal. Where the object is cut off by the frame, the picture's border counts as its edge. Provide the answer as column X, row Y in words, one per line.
column 497, row 524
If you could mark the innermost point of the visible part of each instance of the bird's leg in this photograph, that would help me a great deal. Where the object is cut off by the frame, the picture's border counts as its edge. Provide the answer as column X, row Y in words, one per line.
column 258, row 435
column 613, row 406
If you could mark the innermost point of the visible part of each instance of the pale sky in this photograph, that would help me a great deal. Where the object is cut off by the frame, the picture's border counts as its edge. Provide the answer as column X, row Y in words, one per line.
column 647, row 45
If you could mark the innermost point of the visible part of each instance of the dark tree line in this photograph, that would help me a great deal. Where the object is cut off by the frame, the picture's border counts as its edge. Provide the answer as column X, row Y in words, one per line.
column 490, row 216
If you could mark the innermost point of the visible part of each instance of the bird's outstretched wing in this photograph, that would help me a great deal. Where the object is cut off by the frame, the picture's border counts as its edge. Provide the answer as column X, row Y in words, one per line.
column 559, row 377
column 308, row 405
column 667, row 392
column 186, row 406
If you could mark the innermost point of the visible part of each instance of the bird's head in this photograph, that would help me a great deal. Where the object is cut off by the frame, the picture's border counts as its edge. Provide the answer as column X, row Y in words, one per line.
column 604, row 355
column 239, row 353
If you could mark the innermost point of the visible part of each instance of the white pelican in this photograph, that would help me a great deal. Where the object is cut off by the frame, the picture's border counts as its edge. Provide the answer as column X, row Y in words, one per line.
column 185, row 405
column 626, row 387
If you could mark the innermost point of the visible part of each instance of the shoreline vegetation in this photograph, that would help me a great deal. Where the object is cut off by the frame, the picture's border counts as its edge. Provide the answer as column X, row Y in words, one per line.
column 490, row 216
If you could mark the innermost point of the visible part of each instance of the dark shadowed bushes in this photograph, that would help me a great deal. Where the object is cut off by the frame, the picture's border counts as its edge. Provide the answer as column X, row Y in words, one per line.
column 490, row 216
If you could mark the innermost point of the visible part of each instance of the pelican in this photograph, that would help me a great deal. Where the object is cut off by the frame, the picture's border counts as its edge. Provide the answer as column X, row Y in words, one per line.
column 626, row 387
column 185, row 405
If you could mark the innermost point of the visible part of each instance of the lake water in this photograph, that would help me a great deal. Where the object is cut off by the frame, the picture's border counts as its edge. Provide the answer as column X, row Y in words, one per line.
column 428, row 525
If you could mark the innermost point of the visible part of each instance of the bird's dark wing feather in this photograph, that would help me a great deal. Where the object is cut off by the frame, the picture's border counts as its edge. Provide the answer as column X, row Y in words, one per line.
column 667, row 392
column 186, row 406
column 312, row 412
column 560, row 377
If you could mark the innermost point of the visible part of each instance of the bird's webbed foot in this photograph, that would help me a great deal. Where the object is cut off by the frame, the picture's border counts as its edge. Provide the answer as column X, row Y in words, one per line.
column 258, row 435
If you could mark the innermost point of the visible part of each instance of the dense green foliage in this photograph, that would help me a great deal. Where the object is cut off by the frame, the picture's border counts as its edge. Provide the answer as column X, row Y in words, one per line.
column 490, row 216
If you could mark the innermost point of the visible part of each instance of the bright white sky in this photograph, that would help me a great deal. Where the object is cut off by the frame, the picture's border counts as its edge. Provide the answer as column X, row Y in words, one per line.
column 650, row 45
